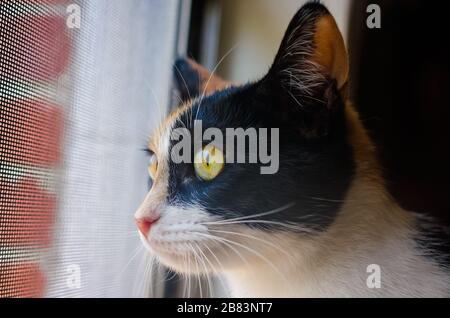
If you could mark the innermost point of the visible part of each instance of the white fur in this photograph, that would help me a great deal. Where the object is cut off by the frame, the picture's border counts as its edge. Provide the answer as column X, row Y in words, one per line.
column 369, row 229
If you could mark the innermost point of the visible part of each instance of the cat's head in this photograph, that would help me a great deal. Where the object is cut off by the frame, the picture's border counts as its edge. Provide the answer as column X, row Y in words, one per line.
column 209, row 215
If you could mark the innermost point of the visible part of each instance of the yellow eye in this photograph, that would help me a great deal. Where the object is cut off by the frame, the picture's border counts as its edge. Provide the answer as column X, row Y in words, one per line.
column 153, row 167
column 209, row 162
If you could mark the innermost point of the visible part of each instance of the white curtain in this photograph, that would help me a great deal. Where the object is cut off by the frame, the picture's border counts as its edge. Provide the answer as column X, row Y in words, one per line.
column 116, row 90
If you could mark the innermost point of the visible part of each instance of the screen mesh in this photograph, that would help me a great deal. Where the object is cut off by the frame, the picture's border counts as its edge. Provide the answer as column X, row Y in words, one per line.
column 77, row 101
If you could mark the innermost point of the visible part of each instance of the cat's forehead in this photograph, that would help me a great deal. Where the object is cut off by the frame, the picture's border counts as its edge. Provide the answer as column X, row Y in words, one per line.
column 203, row 108
column 232, row 107
column 159, row 140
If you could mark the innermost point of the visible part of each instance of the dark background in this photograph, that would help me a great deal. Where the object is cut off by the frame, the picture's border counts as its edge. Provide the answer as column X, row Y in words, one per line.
column 400, row 85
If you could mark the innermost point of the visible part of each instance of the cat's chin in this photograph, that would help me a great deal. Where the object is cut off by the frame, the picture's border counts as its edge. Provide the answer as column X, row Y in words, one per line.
column 177, row 264
column 180, row 262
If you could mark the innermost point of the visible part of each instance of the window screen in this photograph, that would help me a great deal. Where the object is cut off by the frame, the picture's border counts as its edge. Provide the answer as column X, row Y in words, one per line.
column 78, row 99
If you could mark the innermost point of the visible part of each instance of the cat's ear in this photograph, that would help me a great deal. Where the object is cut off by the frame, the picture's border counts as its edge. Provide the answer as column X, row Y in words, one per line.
column 310, row 70
column 194, row 80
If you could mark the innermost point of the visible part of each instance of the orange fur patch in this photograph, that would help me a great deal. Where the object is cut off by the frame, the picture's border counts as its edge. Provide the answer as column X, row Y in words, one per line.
column 330, row 52
column 209, row 83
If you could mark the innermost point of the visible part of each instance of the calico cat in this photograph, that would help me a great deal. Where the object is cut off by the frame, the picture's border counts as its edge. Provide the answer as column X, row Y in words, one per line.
column 324, row 224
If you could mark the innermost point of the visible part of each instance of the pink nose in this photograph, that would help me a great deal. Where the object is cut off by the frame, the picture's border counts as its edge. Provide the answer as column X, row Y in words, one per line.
column 144, row 225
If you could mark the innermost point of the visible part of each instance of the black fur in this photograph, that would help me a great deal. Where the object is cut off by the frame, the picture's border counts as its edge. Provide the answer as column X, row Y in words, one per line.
column 433, row 241
column 187, row 80
column 316, row 162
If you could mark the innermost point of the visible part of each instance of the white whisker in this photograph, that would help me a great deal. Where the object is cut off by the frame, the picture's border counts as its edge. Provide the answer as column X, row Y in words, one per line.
column 135, row 253
column 285, row 207
column 253, row 238
column 248, row 249
column 212, row 74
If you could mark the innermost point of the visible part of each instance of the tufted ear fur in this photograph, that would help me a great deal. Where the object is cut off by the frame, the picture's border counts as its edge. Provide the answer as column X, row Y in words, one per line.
column 310, row 71
column 193, row 80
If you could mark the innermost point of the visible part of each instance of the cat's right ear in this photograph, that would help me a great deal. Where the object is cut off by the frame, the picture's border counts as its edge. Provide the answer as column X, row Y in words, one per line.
column 192, row 79
column 309, row 76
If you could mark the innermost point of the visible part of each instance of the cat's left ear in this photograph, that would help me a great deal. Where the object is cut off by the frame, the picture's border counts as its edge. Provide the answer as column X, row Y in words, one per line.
column 310, row 70
column 193, row 80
